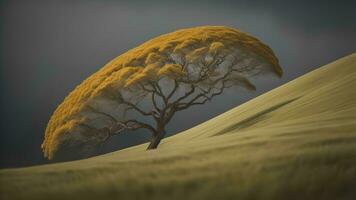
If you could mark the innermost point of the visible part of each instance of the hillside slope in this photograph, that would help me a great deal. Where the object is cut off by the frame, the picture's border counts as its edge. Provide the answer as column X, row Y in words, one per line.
column 297, row 142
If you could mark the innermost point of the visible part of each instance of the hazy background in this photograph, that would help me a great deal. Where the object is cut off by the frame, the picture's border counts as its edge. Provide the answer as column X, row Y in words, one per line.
column 49, row 47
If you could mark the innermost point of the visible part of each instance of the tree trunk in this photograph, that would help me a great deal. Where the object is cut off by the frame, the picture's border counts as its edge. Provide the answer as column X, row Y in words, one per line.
column 156, row 140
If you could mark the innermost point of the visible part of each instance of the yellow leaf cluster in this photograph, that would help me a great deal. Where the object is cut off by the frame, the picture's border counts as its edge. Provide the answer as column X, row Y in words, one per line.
column 171, row 70
column 215, row 47
column 196, row 54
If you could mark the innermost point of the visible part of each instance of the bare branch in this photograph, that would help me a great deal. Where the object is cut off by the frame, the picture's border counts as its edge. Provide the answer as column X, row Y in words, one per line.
column 94, row 110
column 154, row 102
column 132, row 105
column 141, row 125
column 97, row 130
column 195, row 100
column 175, row 87
column 144, row 88
column 187, row 94
column 159, row 91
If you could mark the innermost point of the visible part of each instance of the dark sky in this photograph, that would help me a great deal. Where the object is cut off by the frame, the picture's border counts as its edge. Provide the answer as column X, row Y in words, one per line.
column 49, row 47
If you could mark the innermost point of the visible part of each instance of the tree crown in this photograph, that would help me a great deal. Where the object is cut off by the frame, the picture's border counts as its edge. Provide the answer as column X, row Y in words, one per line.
column 201, row 61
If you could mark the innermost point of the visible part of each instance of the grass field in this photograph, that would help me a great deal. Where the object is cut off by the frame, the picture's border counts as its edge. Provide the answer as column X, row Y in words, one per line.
column 295, row 142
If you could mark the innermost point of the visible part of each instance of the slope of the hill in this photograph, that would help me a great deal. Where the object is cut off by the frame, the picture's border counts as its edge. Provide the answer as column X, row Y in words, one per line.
column 295, row 142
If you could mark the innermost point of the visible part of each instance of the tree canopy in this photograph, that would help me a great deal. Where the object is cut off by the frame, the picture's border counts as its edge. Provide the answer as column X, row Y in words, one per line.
column 171, row 72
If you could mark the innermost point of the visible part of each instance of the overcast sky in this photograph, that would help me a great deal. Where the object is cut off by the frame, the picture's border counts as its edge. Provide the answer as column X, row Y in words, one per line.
column 49, row 47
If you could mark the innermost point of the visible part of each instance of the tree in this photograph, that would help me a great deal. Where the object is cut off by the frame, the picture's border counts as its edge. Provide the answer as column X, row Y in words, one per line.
column 146, row 86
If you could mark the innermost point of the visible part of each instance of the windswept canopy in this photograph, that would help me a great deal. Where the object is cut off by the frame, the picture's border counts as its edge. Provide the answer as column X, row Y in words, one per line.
column 177, row 56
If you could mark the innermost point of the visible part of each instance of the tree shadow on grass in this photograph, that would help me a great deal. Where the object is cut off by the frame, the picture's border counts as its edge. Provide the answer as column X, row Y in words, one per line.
column 249, row 121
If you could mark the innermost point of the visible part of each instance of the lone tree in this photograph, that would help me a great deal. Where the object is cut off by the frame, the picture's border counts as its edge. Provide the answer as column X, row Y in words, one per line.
column 146, row 86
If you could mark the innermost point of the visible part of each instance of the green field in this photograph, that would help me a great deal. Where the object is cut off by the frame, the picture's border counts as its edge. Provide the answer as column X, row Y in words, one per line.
column 295, row 142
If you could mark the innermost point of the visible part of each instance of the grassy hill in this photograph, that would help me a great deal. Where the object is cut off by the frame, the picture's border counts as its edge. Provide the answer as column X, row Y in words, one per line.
column 295, row 142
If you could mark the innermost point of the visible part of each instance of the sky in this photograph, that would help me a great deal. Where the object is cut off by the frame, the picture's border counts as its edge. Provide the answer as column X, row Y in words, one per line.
column 49, row 47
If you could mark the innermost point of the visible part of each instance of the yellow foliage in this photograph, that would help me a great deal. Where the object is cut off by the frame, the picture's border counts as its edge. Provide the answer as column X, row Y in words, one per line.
column 188, row 43
column 196, row 54
column 152, row 58
column 55, row 141
column 171, row 70
column 135, row 79
column 151, row 70
column 215, row 47
column 147, row 61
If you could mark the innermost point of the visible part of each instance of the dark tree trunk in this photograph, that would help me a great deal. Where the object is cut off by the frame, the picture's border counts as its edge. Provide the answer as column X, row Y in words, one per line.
column 156, row 140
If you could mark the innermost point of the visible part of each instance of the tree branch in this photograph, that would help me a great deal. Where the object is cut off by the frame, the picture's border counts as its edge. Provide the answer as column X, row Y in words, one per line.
column 141, row 125
column 132, row 105
column 94, row 110
column 175, row 87
column 187, row 94
column 159, row 92
column 154, row 102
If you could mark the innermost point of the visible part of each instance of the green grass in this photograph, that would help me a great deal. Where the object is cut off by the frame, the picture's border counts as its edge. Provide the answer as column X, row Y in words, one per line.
column 303, row 148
